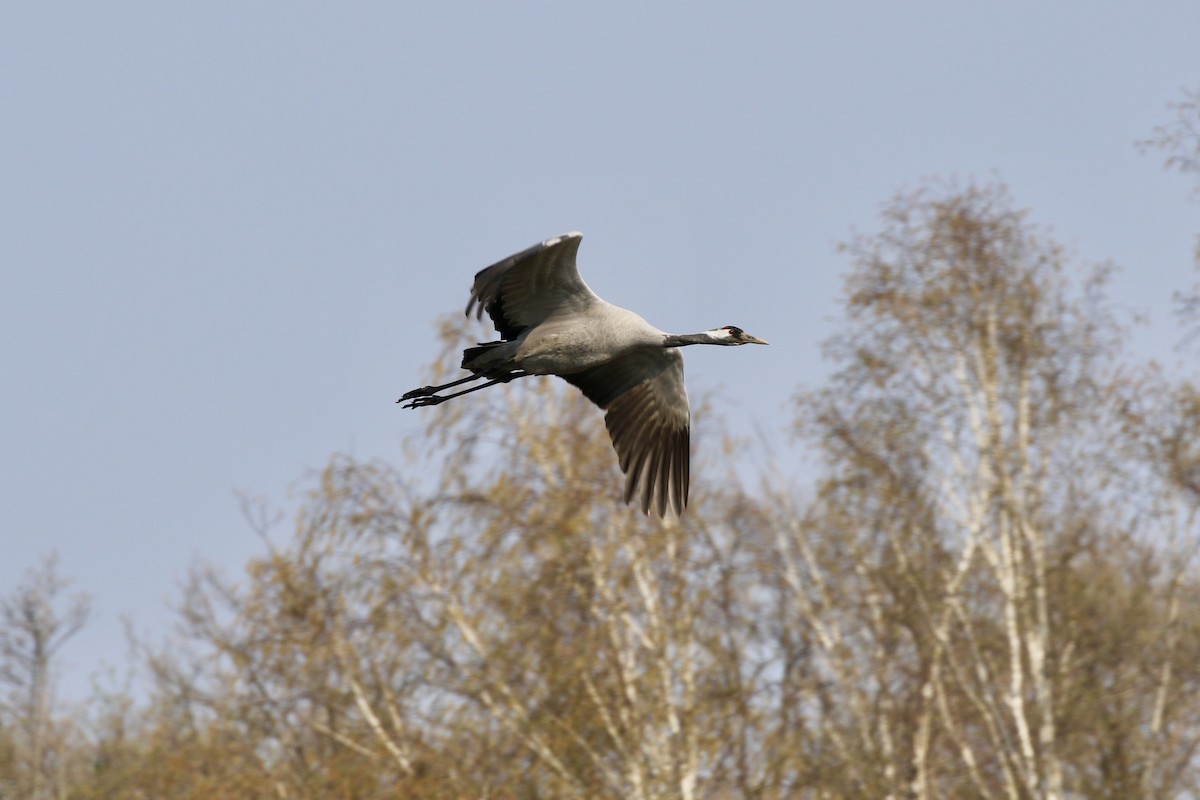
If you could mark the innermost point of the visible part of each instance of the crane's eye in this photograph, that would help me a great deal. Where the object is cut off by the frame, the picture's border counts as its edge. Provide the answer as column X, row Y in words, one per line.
column 733, row 330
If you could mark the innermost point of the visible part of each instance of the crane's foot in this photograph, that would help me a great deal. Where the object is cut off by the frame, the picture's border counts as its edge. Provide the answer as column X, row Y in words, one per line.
column 424, row 391
column 422, row 401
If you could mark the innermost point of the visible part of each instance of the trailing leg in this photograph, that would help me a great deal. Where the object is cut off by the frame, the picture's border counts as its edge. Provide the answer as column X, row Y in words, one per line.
column 431, row 399
column 426, row 391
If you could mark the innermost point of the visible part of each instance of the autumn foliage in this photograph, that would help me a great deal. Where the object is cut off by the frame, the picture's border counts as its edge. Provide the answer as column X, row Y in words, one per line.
column 986, row 588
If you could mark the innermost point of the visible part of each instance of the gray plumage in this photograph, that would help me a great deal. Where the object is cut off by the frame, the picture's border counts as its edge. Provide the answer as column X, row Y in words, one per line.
column 551, row 323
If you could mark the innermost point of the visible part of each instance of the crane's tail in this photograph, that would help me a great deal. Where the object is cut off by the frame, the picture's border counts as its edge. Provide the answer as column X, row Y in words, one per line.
column 488, row 356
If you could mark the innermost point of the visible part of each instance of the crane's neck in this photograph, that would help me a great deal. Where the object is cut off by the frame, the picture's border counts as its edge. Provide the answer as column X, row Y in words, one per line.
column 684, row 339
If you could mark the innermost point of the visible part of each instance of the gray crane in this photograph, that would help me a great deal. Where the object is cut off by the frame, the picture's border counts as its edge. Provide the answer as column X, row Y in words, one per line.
column 551, row 323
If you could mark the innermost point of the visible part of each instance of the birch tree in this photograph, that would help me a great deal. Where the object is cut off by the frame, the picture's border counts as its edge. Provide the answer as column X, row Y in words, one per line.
column 547, row 616
column 504, row 627
column 34, row 626
column 1179, row 141
column 973, row 440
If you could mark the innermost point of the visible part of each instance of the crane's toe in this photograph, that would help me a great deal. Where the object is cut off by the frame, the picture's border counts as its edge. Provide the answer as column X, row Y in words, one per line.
column 422, row 401
column 424, row 391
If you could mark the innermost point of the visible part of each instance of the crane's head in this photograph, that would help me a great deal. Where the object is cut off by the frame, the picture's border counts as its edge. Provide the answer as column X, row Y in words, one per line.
column 731, row 335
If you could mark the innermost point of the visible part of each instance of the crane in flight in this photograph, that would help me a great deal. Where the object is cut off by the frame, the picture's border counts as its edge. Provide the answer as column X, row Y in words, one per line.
column 551, row 323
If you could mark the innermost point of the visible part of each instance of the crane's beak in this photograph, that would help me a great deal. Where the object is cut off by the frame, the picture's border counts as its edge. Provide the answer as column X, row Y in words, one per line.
column 754, row 340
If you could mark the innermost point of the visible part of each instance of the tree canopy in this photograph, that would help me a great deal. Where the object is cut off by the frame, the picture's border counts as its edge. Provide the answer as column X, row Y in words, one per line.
column 987, row 588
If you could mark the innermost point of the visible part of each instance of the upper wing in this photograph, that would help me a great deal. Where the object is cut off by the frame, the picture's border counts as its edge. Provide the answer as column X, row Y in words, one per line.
column 524, row 289
column 647, row 416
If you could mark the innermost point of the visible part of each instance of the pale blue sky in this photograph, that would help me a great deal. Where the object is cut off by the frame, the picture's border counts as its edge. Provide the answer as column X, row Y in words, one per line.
column 228, row 227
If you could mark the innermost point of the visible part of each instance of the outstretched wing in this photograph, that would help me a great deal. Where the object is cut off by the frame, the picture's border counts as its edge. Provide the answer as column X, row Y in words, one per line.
column 524, row 289
column 648, row 421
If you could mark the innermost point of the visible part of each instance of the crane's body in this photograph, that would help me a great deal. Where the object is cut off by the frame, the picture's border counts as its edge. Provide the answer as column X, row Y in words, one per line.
column 565, row 344
column 551, row 323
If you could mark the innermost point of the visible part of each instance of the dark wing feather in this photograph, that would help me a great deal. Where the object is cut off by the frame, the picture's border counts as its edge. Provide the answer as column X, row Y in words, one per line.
column 524, row 289
column 647, row 415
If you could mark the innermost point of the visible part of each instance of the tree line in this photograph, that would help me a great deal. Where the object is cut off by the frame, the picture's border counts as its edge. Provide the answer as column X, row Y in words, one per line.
column 988, row 589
